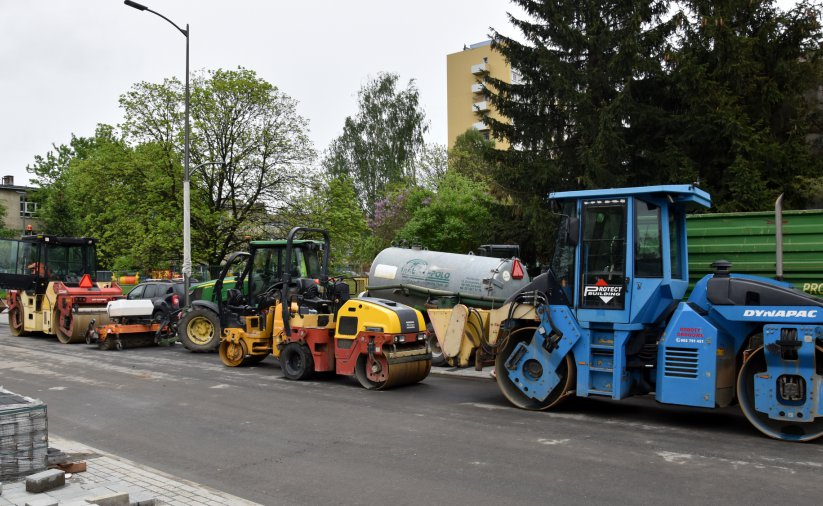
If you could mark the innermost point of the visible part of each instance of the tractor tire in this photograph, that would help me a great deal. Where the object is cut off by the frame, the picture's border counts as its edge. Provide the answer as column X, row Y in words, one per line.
column 296, row 362
column 199, row 330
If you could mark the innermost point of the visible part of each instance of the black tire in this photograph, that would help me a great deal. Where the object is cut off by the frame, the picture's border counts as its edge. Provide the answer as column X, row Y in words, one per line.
column 158, row 316
column 255, row 359
column 296, row 362
column 199, row 330
column 438, row 359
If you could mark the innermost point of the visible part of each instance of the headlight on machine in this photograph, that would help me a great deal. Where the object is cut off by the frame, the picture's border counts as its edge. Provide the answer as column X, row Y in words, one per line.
column 399, row 339
column 421, row 336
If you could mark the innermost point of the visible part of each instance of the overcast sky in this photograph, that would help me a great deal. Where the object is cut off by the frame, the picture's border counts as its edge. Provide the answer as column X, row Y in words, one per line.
column 64, row 63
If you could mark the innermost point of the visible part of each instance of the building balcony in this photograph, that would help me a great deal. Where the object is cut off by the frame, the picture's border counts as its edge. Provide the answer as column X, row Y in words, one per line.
column 480, row 126
column 480, row 68
column 480, row 106
column 477, row 88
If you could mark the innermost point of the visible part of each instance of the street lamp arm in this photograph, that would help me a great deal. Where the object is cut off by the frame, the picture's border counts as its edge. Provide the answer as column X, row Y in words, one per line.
column 141, row 7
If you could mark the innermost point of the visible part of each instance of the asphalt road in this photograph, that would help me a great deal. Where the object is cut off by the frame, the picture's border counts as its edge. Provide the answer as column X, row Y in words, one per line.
column 253, row 434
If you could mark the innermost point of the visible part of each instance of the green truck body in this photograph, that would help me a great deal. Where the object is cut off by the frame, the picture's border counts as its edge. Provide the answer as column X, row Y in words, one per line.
column 748, row 241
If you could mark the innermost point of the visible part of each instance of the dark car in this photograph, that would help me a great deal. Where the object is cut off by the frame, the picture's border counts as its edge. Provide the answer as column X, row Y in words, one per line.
column 165, row 294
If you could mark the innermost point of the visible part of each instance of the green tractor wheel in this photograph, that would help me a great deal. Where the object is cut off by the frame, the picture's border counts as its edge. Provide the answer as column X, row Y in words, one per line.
column 199, row 330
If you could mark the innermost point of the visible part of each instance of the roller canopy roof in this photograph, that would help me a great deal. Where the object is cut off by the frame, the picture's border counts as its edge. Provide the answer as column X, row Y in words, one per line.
column 686, row 195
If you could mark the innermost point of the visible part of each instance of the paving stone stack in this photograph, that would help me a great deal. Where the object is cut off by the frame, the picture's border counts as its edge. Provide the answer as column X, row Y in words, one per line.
column 24, row 436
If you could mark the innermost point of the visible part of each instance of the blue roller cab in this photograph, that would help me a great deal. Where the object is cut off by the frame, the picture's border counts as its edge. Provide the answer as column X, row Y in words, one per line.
column 613, row 322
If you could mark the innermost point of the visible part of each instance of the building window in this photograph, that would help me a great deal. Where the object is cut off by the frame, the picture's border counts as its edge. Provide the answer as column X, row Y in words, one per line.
column 27, row 209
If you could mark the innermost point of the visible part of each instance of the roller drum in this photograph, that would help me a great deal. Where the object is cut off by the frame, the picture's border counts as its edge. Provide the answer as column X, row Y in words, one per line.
column 407, row 373
column 76, row 332
column 378, row 373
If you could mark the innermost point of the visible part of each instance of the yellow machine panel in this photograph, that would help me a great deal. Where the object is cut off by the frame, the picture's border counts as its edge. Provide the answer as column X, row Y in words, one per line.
column 370, row 314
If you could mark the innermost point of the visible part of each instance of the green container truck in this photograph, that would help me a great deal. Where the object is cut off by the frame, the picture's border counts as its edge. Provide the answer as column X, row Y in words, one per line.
column 748, row 241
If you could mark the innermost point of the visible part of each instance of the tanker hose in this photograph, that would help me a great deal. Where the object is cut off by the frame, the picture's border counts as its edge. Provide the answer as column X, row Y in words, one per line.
column 534, row 298
column 554, row 328
column 477, row 326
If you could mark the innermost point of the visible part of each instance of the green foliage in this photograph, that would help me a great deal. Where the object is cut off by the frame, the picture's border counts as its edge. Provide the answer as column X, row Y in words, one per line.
column 473, row 156
column 332, row 206
column 55, row 203
column 743, row 72
column 627, row 93
column 570, row 111
column 100, row 187
column 431, row 165
column 574, row 105
column 5, row 232
column 390, row 214
column 378, row 147
column 455, row 219
column 249, row 151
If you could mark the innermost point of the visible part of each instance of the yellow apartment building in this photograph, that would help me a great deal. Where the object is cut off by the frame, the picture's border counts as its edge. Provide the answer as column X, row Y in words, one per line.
column 465, row 70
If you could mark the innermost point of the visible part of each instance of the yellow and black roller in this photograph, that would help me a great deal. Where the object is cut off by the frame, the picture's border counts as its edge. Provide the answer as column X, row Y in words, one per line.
column 384, row 361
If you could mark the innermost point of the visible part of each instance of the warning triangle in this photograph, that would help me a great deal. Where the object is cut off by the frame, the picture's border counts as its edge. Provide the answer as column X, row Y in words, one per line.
column 86, row 282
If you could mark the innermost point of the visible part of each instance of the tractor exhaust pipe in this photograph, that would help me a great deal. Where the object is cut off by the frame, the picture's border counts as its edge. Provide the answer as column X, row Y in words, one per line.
column 778, row 237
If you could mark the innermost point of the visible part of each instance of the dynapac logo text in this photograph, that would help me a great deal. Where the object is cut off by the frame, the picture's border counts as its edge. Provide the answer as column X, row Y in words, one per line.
column 781, row 313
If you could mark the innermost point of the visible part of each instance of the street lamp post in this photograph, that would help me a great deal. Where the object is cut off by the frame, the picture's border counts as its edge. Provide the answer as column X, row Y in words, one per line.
column 186, row 196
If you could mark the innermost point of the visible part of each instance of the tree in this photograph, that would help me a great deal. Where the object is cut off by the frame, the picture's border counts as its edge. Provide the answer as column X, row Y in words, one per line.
column 378, row 146
column 249, row 128
column 331, row 204
column 6, row 232
column 431, row 165
column 455, row 212
column 570, row 113
column 743, row 74
column 455, row 219
column 55, row 203
column 103, row 188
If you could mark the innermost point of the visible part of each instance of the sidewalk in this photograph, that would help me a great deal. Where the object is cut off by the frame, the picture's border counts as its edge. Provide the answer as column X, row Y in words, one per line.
column 111, row 476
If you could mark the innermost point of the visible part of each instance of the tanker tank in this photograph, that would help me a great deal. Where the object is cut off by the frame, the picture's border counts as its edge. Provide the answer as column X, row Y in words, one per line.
column 414, row 276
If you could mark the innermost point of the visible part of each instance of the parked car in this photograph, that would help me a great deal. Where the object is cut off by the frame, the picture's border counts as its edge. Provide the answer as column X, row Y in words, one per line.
column 165, row 294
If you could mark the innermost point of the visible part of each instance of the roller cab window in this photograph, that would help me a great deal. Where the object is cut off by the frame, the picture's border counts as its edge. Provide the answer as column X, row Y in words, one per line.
column 603, row 254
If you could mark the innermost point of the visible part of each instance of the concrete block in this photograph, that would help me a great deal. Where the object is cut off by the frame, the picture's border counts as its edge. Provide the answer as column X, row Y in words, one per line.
column 142, row 499
column 45, row 481
column 113, row 499
column 42, row 500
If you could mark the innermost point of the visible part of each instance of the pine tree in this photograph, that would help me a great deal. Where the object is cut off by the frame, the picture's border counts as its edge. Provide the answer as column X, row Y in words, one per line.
column 744, row 75
column 571, row 113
